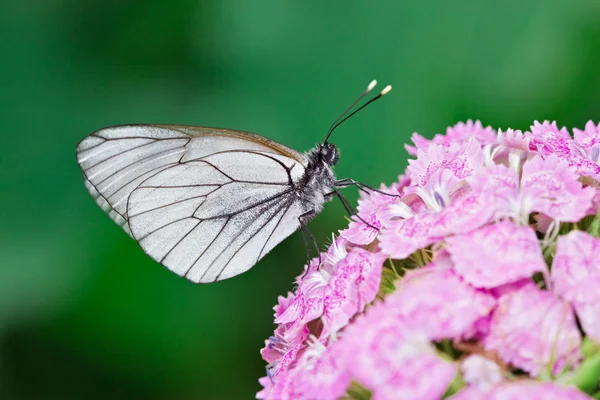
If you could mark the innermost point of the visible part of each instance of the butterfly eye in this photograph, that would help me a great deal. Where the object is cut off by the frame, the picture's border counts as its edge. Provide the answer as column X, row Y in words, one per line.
column 329, row 154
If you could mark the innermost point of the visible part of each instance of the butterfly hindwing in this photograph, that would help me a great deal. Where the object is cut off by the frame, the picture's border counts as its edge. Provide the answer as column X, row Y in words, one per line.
column 206, row 203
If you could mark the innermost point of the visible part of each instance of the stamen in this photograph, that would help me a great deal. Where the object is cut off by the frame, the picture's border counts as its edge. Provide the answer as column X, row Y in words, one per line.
column 594, row 155
column 271, row 372
column 439, row 199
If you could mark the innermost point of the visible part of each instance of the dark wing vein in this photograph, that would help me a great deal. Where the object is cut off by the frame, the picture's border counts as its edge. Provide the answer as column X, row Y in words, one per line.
column 273, row 231
column 180, row 240
column 171, row 204
column 146, row 179
column 161, row 153
column 285, row 168
column 242, row 230
column 263, row 201
column 120, row 154
column 283, row 204
column 214, row 166
column 161, row 168
column 164, row 226
column 207, row 247
column 77, row 151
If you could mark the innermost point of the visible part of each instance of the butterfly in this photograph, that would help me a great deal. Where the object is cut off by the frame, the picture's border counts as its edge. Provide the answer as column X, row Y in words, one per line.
column 209, row 203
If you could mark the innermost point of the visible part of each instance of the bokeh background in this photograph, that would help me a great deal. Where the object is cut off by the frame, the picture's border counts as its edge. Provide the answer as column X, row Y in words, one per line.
column 83, row 313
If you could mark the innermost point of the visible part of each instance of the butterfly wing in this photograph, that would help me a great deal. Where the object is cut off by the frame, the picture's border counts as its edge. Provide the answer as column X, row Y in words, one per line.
column 207, row 203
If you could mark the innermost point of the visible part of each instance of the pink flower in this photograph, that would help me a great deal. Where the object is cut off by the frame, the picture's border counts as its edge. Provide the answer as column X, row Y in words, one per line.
column 405, row 236
column 548, row 127
column 576, row 277
column 460, row 159
column 547, row 185
column 317, row 374
column 589, row 137
column 535, row 331
column 308, row 302
column 281, row 349
column 586, row 164
column 581, row 153
column 393, row 358
column 482, row 206
column 459, row 132
column 354, row 284
column 550, row 187
column 439, row 302
column 422, row 143
column 462, row 131
column 371, row 208
column 337, row 290
column 511, row 252
column 320, row 373
column 282, row 389
column 515, row 139
column 468, row 211
column 501, row 185
column 521, row 390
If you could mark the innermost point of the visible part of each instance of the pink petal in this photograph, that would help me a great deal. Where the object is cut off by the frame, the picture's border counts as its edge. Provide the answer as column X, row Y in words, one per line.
column 582, row 165
column 534, row 330
column 514, row 139
column 371, row 208
column 462, row 159
column 501, row 184
column 283, row 303
column 589, row 136
column 360, row 233
column 576, row 267
column 404, row 237
column 394, row 359
column 354, row 284
column 462, row 131
column 321, row 374
column 538, row 129
column 440, row 303
column 465, row 214
column 576, row 277
column 522, row 390
column 553, row 189
column 511, row 252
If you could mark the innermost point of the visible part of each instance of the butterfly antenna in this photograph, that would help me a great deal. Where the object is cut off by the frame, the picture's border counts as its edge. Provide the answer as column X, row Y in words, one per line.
column 363, row 94
column 385, row 91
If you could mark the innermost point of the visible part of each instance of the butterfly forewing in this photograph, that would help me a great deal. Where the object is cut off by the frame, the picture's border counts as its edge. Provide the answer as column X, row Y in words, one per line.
column 207, row 203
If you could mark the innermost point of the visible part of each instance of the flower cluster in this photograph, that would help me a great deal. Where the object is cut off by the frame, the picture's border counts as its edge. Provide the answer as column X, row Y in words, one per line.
column 476, row 275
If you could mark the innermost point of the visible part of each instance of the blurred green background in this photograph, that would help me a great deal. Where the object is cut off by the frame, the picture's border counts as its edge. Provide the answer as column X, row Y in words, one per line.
column 83, row 313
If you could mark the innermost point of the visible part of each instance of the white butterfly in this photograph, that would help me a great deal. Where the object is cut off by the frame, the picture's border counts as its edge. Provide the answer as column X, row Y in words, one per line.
column 207, row 203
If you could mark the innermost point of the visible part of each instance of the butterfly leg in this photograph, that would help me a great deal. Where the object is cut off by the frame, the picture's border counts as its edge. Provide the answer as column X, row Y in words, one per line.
column 342, row 183
column 350, row 210
column 303, row 219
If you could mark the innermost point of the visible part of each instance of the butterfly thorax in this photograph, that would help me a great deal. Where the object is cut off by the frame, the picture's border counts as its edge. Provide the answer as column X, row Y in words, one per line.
column 319, row 180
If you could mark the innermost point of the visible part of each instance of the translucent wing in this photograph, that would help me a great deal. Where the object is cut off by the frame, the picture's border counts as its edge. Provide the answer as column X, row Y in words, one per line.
column 207, row 203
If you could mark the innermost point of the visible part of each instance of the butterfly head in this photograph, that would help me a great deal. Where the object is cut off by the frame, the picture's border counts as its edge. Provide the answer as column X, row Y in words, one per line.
column 328, row 153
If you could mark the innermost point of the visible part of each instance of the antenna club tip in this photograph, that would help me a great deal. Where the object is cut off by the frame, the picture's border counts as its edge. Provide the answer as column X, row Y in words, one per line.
column 386, row 90
column 371, row 85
